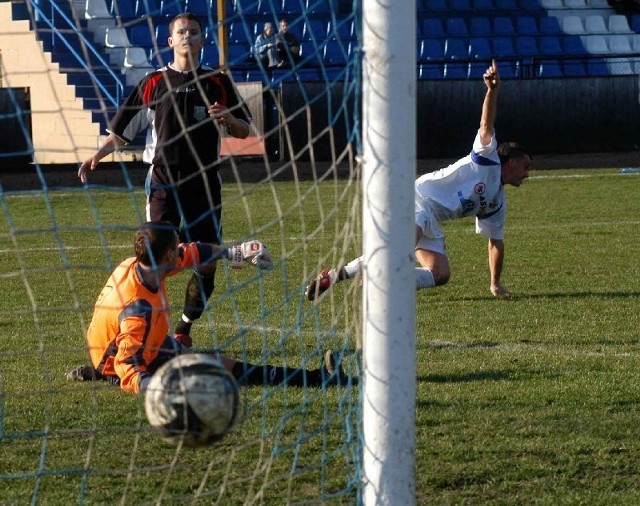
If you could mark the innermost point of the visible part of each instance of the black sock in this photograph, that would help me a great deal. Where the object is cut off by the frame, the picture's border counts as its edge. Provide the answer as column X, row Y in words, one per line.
column 198, row 291
column 269, row 375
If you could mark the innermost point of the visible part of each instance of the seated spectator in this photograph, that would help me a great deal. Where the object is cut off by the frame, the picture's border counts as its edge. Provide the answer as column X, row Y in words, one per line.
column 265, row 50
column 287, row 44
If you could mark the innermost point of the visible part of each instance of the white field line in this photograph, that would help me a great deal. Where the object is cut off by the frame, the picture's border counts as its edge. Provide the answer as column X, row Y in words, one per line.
column 543, row 349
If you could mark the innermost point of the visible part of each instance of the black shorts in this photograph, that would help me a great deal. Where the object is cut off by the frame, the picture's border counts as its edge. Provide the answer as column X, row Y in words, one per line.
column 193, row 203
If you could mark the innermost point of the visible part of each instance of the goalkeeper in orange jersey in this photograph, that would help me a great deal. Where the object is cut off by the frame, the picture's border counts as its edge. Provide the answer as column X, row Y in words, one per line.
column 184, row 107
column 127, row 337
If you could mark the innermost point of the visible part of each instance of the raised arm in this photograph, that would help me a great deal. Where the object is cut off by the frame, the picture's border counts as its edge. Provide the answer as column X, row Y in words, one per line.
column 490, row 105
column 110, row 145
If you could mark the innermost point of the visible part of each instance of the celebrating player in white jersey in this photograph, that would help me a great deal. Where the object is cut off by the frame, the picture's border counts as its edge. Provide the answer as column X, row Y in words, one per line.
column 472, row 186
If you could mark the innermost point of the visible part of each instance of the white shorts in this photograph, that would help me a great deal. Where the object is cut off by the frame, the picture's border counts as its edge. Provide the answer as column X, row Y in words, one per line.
column 432, row 238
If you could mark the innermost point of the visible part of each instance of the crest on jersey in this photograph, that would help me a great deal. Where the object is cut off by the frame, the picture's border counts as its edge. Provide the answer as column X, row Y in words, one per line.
column 479, row 189
column 199, row 112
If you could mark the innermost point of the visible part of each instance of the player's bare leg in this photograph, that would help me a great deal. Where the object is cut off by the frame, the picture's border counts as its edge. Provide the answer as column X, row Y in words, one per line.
column 434, row 269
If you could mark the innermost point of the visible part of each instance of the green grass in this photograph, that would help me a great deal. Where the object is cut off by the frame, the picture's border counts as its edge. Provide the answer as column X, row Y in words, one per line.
column 533, row 400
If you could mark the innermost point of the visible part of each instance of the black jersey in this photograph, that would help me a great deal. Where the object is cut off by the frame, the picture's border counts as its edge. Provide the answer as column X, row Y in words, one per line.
column 174, row 105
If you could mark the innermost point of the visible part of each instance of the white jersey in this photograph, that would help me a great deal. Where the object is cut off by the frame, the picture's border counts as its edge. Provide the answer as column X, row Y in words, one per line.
column 472, row 186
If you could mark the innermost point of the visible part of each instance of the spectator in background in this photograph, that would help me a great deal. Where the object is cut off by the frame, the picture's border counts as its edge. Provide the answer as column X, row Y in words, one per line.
column 287, row 44
column 265, row 48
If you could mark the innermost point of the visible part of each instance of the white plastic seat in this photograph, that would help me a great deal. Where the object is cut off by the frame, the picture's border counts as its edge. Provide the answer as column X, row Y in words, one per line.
column 618, row 23
column 136, row 57
column 595, row 44
column 116, row 36
column 96, row 9
column 594, row 24
column 572, row 25
column 575, row 4
column 620, row 44
column 551, row 4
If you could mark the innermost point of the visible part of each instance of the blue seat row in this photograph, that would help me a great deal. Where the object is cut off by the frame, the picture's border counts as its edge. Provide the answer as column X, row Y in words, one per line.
column 435, row 27
column 483, row 47
column 546, row 68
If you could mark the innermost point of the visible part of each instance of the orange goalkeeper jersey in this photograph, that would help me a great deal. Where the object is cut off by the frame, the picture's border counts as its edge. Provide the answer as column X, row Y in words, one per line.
column 131, row 320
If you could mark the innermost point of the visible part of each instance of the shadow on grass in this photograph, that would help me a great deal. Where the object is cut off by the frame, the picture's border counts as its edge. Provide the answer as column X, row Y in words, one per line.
column 492, row 375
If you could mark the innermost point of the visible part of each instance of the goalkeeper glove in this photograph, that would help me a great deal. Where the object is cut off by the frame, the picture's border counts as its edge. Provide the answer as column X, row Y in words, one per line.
column 251, row 251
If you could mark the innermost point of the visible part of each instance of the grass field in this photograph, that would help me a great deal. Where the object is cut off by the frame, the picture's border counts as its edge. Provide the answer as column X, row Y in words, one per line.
column 533, row 400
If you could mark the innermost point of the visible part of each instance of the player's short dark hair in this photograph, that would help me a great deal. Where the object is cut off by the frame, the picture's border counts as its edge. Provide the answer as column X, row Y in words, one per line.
column 152, row 240
column 511, row 150
column 189, row 17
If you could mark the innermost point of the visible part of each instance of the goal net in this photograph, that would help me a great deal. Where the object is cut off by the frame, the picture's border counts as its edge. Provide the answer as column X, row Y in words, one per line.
column 293, row 183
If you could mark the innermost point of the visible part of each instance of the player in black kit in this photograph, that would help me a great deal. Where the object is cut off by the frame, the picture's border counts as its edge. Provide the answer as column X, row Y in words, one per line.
column 184, row 106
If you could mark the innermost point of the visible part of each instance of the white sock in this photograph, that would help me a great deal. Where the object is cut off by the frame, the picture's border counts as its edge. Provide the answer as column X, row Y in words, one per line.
column 353, row 267
column 186, row 320
column 424, row 278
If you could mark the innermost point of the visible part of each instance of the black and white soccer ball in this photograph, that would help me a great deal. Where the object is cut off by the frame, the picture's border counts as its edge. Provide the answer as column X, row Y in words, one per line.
column 192, row 399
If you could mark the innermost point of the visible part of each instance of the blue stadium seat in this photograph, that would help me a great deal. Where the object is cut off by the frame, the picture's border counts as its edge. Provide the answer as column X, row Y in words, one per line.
column 503, row 47
column 550, row 46
column 460, row 5
column 431, row 49
column 315, row 28
column 509, row 69
column 431, row 71
column 503, row 25
column 529, row 5
column 526, row 46
column 573, row 68
column 335, row 52
column 456, row 49
column 171, row 8
column 572, row 45
column 247, row 7
column 343, row 29
column 550, row 68
column 209, row 55
column 550, row 26
column 506, row 5
column 456, row 70
column 597, row 67
column 479, row 48
column 483, row 5
column 456, row 27
column 434, row 5
column 141, row 35
column 162, row 34
column 480, row 27
column 147, row 7
column 526, row 25
column 238, row 54
column 238, row 32
column 635, row 23
column 200, row 8
column 123, row 9
column 477, row 69
column 431, row 27
column 293, row 6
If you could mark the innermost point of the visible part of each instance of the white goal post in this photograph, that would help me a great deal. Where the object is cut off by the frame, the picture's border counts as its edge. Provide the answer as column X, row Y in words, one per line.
column 389, row 160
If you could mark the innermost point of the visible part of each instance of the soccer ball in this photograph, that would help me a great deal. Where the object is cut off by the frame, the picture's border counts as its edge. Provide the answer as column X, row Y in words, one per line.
column 192, row 399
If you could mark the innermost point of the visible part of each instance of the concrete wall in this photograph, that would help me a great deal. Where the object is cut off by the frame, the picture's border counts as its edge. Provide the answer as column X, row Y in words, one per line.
column 62, row 130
